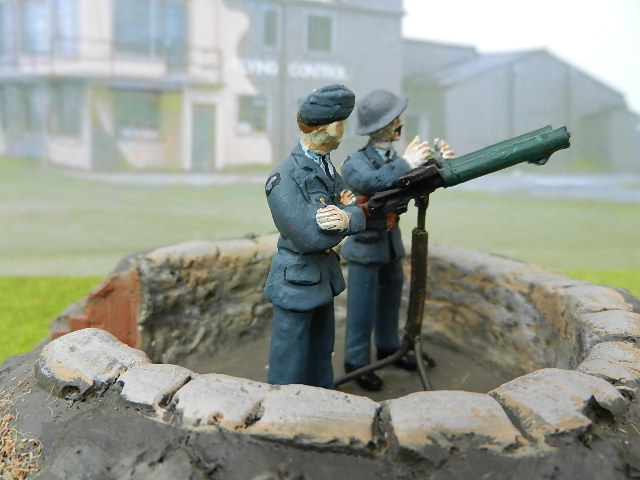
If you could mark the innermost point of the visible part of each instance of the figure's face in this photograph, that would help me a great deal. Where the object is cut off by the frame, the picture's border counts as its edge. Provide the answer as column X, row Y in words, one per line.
column 390, row 133
column 326, row 138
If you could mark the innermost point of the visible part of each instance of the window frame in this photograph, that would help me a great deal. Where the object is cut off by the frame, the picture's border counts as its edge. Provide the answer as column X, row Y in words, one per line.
column 137, row 114
column 49, row 27
column 152, row 34
column 253, row 114
column 319, row 49
column 66, row 109
column 271, row 40
column 8, row 18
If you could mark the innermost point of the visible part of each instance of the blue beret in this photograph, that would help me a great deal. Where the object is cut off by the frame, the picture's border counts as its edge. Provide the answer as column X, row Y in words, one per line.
column 327, row 105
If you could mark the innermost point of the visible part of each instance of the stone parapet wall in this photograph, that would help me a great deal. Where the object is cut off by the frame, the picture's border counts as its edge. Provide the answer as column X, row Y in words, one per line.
column 575, row 345
column 516, row 314
column 536, row 413
column 182, row 303
column 188, row 303
column 199, row 298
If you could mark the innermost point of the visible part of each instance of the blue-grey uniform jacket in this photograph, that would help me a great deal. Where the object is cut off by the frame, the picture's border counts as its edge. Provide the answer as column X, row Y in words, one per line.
column 366, row 173
column 305, row 273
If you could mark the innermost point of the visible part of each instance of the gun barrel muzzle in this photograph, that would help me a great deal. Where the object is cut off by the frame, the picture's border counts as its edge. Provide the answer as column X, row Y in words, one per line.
column 533, row 147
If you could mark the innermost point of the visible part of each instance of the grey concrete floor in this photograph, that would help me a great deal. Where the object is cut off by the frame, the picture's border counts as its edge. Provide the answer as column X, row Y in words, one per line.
column 455, row 370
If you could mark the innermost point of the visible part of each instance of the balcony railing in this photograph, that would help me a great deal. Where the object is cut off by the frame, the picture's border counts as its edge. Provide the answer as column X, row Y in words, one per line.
column 100, row 58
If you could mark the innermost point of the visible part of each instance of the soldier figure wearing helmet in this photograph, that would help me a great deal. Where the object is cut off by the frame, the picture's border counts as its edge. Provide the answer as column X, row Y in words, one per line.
column 375, row 255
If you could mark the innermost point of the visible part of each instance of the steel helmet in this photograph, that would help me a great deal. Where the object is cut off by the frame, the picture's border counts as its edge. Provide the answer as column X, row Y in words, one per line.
column 378, row 109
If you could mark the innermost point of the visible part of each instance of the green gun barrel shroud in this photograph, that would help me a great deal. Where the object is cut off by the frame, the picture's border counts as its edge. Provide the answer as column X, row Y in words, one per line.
column 534, row 147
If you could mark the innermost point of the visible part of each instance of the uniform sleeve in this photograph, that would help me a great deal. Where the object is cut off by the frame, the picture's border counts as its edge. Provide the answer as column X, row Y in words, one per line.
column 357, row 219
column 294, row 213
column 360, row 175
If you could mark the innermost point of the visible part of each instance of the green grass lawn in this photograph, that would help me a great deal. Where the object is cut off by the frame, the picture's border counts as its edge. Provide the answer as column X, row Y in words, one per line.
column 624, row 278
column 66, row 229
column 57, row 225
column 557, row 234
column 27, row 304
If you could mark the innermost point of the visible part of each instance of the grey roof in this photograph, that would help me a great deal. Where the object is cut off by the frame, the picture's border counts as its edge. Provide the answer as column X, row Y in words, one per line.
column 439, row 44
column 476, row 66
column 485, row 63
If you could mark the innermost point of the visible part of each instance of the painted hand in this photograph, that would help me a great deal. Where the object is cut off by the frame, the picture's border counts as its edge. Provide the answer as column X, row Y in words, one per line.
column 418, row 152
column 331, row 218
column 347, row 197
column 444, row 148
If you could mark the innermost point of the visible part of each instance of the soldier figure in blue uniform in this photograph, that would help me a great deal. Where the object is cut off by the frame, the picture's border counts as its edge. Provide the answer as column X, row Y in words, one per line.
column 313, row 210
column 375, row 255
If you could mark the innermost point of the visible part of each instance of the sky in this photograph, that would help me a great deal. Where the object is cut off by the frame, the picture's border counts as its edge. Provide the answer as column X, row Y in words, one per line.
column 600, row 37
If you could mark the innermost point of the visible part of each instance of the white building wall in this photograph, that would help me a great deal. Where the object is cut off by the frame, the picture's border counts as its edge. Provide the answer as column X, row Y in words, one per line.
column 217, row 73
column 214, row 25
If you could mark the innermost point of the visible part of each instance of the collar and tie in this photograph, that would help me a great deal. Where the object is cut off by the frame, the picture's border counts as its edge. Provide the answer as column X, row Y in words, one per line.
column 324, row 161
column 386, row 154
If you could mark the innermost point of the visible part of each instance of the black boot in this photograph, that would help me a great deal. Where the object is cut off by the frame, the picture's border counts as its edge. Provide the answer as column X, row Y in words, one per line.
column 406, row 362
column 368, row 381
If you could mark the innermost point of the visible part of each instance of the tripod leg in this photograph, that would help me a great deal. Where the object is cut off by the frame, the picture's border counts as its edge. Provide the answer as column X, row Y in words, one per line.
column 430, row 361
column 404, row 348
column 418, row 290
column 422, row 370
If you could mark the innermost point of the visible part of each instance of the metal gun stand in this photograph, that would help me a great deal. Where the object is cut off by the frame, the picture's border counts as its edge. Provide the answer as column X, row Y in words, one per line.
column 417, row 296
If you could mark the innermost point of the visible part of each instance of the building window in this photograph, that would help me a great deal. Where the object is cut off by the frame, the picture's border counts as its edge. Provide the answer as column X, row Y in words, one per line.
column 30, row 107
column 49, row 27
column 7, row 29
column 270, row 35
column 66, row 27
column 22, row 107
column 252, row 116
column 66, row 109
column 320, row 33
column 36, row 27
column 137, row 114
column 153, row 29
column 3, row 109
column 7, row 104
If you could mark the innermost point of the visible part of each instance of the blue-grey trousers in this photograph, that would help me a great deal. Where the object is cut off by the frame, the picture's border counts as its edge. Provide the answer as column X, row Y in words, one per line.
column 301, row 347
column 373, row 301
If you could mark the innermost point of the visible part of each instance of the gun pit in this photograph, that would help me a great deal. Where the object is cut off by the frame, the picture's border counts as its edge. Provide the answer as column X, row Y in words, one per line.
column 528, row 361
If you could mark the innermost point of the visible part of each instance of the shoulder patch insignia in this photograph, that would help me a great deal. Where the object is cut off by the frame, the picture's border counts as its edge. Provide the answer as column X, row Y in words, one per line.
column 273, row 181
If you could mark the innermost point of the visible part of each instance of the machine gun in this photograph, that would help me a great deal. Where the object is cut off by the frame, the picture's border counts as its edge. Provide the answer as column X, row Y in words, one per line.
column 534, row 147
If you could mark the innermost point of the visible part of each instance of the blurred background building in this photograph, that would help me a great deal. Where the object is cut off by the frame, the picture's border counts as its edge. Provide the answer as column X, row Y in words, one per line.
column 199, row 85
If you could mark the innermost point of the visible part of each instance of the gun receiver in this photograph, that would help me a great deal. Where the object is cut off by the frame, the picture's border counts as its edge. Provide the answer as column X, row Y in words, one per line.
column 534, row 147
